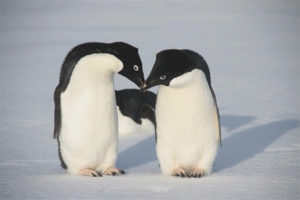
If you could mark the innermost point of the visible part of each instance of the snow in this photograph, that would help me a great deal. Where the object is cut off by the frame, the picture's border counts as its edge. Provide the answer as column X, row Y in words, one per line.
column 252, row 48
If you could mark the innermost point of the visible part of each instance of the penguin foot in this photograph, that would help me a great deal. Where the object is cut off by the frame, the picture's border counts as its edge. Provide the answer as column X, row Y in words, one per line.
column 113, row 171
column 180, row 173
column 198, row 173
column 89, row 172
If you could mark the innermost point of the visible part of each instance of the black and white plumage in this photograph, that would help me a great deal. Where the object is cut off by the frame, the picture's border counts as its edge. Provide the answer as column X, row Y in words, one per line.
column 85, row 106
column 136, row 111
column 187, row 115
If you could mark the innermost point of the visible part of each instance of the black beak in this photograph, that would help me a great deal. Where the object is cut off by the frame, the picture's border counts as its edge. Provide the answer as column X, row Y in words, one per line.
column 138, row 81
column 141, row 82
column 143, row 87
column 148, row 84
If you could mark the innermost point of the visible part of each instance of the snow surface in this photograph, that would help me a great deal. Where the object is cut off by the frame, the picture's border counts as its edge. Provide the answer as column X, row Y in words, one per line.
column 252, row 48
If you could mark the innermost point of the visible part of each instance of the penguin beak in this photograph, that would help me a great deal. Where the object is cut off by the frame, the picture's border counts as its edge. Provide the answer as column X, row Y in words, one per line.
column 141, row 82
column 148, row 84
column 143, row 87
column 137, row 79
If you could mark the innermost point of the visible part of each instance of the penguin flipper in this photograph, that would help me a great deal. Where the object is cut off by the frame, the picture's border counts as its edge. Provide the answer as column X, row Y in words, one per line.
column 137, row 119
column 217, row 115
column 147, row 111
column 57, row 112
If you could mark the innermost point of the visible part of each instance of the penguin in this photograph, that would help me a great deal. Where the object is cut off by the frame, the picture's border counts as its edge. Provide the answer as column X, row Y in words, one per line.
column 85, row 119
column 136, row 111
column 187, row 116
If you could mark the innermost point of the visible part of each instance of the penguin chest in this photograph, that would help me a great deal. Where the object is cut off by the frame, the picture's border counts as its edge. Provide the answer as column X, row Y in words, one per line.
column 89, row 121
column 185, row 122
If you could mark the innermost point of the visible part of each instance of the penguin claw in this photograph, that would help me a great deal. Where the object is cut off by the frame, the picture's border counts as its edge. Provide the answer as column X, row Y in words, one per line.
column 198, row 173
column 89, row 172
column 179, row 172
column 114, row 171
column 182, row 175
column 99, row 173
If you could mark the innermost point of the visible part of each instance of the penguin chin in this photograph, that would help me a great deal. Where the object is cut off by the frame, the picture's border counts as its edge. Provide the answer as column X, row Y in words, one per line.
column 178, row 85
column 181, row 81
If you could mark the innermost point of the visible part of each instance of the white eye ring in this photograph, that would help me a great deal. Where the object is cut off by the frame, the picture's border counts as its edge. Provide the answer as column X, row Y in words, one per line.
column 163, row 77
column 135, row 68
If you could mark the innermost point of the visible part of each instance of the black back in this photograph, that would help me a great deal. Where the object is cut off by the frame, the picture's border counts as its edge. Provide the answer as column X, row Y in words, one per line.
column 136, row 104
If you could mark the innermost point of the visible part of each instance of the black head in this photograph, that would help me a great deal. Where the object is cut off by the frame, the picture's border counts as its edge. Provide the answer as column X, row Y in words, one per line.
column 126, row 53
column 168, row 65
column 132, row 64
column 173, row 63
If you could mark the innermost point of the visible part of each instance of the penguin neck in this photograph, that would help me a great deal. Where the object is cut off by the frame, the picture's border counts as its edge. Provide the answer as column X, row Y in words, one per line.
column 194, row 78
column 96, row 69
column 186, row 88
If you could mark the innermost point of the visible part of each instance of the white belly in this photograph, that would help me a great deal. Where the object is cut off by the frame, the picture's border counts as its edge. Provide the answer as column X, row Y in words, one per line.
column 128, row 126
column 186, row 127
column 88, row 137
column 89, row 128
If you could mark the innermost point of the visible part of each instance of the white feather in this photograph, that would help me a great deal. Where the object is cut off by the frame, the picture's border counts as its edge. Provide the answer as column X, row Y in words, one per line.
column 88, row 137
column 186, row 127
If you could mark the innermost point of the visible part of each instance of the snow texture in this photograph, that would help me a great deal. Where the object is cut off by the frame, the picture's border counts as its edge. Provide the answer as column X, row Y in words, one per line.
column 252, row 48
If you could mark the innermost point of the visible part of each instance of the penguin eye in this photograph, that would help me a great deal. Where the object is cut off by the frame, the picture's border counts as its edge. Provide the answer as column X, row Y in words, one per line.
column 163, row 77
column 135, row 68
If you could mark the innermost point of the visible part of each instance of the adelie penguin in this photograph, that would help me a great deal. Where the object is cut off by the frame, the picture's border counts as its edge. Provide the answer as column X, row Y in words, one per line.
column 136, row 111
column 187, row 116
column 85, row 107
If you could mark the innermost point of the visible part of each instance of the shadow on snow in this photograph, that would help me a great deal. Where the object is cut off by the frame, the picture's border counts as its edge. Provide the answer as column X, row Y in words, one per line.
column 246, row 144
column 237, row 148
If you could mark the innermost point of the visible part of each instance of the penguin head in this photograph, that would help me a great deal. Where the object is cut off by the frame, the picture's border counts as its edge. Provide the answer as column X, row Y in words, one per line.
column 132, row 64
column 169, row 64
